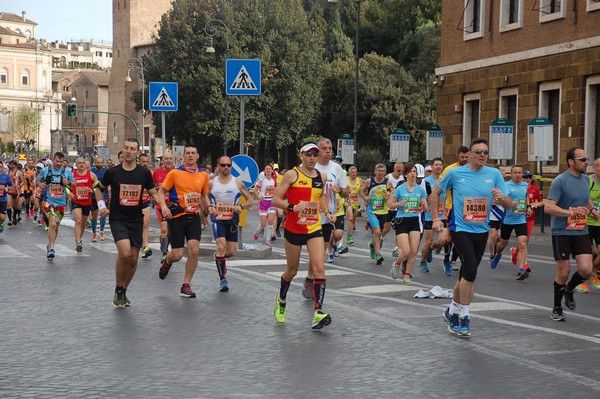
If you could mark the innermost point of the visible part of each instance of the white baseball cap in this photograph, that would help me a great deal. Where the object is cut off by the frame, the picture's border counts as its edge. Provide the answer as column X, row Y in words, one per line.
column 420, row 170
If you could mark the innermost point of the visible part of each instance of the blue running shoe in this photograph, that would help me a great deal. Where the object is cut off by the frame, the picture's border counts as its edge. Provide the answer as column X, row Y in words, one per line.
column 424, row 267
column 464, row 329
column 452, row 320
column 447, row 269
column 495, row 261
column 224, row 285
column 430, row 256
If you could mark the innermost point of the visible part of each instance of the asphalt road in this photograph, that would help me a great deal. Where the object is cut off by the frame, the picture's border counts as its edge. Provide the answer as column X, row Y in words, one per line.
column 63, row 338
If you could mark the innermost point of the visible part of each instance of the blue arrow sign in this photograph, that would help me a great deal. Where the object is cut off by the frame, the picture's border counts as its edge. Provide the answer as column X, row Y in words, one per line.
column 244, row 168
column 163, row 96
column 242, row 77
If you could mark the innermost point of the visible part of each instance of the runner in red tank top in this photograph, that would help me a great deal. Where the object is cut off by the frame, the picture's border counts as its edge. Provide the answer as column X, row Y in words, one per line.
column 159, row 176
column 81, row 198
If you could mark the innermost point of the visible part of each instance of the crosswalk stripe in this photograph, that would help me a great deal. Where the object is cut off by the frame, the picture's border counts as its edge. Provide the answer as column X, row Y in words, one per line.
column 304, row 273
column 380, row 289
column 61, row 250
column 9, row 252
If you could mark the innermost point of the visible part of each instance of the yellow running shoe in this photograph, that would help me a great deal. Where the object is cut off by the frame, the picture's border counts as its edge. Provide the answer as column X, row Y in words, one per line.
column 320, row 320
column 279, row 310
column 595, row 281
column 583, row 288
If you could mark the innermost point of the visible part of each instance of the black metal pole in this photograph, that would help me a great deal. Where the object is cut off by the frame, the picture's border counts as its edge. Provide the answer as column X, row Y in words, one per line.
column 355, row 131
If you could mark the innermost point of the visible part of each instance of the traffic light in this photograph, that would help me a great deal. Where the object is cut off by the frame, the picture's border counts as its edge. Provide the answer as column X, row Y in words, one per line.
column 72, row 109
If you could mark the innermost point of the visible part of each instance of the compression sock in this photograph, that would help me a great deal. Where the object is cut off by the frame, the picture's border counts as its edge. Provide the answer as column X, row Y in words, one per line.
column 559, row 291
column 94, row 223
column 319, row 292
column 102, row 223
column 164, row 244
column 221, row 268
column 576, row 279
column 283, row 289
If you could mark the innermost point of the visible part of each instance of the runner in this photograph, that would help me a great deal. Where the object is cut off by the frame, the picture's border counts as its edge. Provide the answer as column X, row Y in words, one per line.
column 29, row 175
column 594, row 229
column 394, row 179
column 354, row 185
column 144, row 161
column 37, row 197
column 187, row 189
column 5, row 184
column 54, row 180
column 303, row 187
column 375, row 195
column 569, row 203
column 81, row 198
column 225, row 192
column 159, row 176
column 337, row 241
column 496, row 218
column 15, row 193
column 126, row 181
column 514, row 219
column 535, row 200
column 474, row 186
column 98, row 169
column 264, row 190
column 279, row 212
column 410, row 200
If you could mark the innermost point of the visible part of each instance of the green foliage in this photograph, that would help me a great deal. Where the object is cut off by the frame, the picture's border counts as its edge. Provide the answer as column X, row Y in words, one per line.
column 368, row 157
column 26, row 122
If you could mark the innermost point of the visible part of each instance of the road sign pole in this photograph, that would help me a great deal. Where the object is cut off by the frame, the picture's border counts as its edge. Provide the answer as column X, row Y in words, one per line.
column 164, row 133
column 242, row 110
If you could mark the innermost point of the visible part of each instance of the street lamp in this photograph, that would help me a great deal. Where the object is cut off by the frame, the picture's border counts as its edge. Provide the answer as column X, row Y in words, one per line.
column 355, row 130
column 212, row 31
column 140, row 68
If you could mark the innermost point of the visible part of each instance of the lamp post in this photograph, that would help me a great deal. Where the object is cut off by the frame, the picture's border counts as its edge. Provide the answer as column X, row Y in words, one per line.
column 140, row 68
column 355, row 130
column 211, row 31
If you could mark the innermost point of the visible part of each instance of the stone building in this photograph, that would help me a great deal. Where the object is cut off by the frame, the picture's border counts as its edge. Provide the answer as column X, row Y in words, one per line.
column 519, row 60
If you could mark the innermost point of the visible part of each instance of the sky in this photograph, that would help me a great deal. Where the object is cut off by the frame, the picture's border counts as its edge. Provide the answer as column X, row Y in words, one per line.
column 64, row 20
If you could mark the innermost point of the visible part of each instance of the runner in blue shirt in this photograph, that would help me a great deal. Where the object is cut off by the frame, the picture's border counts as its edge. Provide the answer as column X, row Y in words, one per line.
column 5, row 182
column 474, row 187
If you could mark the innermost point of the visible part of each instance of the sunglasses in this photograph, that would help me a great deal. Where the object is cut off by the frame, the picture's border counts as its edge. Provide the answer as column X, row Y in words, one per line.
column 479, row 152
column 582, row 159
column 225, row 165
column 312, row 153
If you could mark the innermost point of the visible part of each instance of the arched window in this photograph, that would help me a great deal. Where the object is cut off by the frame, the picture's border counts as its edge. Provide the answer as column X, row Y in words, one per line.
column 25, row 77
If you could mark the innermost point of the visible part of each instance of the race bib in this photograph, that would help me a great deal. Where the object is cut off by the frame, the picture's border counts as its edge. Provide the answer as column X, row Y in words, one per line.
column 353, row 198
column 475, row 209
column 56, row 191
column 129, row 194
column 310, row 215
column 224, row 210
column 82, row 192
column 377, row 203
column 521, row 207
column 269, row 191
column 412, row 205
column 576, row 222
column 192, row 201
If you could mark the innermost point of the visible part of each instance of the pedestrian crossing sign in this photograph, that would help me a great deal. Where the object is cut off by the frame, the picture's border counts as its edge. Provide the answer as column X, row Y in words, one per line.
column 242, row 77
column 163, row 96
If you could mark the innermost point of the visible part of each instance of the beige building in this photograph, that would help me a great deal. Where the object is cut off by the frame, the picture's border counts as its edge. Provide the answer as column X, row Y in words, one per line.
column 82, row 54
column 134, row 24
column 26, row 82
column 520, row 60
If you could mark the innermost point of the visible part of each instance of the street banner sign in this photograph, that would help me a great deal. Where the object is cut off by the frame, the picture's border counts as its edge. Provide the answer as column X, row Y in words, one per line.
column 163, row 96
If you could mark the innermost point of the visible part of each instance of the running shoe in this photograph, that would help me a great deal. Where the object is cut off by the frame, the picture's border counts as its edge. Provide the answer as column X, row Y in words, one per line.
column 522, row 274
column 395, row 271
column 102, row 236
column 224, row 285
column 10, row 223
column 372, row 252
column 278, row 233
column 595, row 281
column 514, row 257
column 27, row 216
column 255, row 235
column 119, row 300
column 454, row 266
column 329, row 257
column 336, row 250
column 367, row 226
column 50, row 254
column 407, row 279
column 164, row 269
column 429, row 257
column 45, row 227
column 1, row 227
column 378, row 259
column 279, row 310
column 127, row 301
column 268, row 243
column 395, row 252
column 186, row 291
column 451, row 319
column 343, row 249
column 307, row 290
column 584, row 288
column 437, row 250
column 320, row 320
column 447, row 269
column 464, row 328
column 79, row 247
column 495, row 261
column 570, row 299
column 147, row 252
column 350, row 239
column 273, row 238
column 424, row 267
column 557, row 314
column 261, row 233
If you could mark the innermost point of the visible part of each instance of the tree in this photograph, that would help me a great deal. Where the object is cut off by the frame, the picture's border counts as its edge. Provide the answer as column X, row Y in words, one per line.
column 25, row 124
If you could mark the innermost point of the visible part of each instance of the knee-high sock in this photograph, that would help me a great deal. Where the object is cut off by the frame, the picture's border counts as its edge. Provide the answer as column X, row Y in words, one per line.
column 94, row 223
column 319, row 292
column 164, row 244
column 221, row 267
column 102, row 222
column 283, row 289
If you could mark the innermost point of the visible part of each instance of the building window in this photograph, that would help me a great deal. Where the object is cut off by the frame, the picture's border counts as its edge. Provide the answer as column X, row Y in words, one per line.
column 511, row 14
column 4, row 121
column 471, row 118
column 3, row 76
column 98, row 53
column 552, row 9
column 25, row 77
column 592, row 5
column 509, row 111
column 550, row 109
column 473, row 19
column 592, row 117
column 108, row 55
